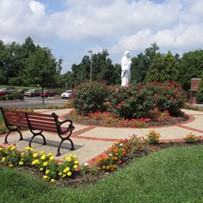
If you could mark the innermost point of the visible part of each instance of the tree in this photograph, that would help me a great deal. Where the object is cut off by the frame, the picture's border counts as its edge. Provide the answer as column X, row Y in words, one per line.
column 41, row 69
column 163, row 68
column 141, row 64
column 102, row 69
column 169, row 71
column 154, row 73
column 2, row 67
column 190, row 66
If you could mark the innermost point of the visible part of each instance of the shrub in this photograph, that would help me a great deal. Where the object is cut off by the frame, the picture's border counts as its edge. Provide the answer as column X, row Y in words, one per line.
column 10, row 96
column 153, row 137
column 3, row 97
column 17, row 95
column 137, row 101
column 90, row 97
column 133, row 102
column 191, row 138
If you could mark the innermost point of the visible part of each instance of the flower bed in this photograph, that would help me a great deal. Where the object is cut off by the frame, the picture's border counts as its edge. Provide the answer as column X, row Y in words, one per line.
column 69, row 172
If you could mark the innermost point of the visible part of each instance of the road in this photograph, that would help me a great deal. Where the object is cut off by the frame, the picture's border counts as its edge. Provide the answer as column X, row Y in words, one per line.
column 34, row 102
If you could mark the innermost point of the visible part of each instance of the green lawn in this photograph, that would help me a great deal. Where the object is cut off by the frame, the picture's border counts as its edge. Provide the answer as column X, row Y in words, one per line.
column 168, row 176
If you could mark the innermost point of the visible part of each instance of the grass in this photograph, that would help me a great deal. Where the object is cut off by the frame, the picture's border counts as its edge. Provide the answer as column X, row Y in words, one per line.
column 169, row 175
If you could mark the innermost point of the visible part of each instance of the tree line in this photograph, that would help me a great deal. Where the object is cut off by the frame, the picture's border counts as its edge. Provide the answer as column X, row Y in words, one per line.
column 28, row 64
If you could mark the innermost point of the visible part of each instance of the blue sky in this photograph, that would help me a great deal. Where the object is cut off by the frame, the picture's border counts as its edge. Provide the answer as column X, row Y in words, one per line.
column 72, row 27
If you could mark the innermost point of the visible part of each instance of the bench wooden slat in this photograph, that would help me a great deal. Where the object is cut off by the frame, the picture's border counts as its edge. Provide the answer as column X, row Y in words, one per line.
column 14, row 120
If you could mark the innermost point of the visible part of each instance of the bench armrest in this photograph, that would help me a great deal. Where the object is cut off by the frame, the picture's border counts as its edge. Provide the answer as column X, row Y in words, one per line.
column 70, row 127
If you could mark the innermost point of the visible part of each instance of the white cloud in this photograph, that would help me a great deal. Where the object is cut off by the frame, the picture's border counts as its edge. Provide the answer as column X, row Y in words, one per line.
column 115, row 25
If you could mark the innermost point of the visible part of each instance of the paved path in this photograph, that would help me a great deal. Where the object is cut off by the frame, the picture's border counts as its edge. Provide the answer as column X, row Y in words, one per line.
column 91, row 141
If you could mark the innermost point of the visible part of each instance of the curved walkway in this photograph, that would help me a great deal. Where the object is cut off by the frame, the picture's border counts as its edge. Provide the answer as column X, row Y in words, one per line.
column 91, row 141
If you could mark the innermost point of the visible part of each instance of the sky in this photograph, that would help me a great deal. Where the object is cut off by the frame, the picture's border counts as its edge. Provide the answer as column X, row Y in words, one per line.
column 69, row 28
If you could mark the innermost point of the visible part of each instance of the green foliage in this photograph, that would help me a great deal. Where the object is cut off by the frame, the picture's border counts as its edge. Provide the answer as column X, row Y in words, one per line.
column 199, row 96
column 90, row 97
column 10, row 96
column 163, row 68
column 190, row 66
column 3, row 97
column 141, row 64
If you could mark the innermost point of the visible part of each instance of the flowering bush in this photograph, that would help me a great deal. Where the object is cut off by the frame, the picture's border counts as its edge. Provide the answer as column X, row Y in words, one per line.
column 90, row 97
column 9, row 156
column 153, row 137
column 117, row 153
column 133, row 102
column 191, row 138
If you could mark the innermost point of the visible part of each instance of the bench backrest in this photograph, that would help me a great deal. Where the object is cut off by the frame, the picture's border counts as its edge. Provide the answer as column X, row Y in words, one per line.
column 14, row 118
column 38, row 121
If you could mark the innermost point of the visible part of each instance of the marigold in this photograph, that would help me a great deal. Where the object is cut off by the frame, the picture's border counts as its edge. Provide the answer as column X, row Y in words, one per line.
column 69, row 173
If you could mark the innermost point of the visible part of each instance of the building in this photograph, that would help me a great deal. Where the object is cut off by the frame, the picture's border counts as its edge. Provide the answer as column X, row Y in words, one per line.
column 195, row 82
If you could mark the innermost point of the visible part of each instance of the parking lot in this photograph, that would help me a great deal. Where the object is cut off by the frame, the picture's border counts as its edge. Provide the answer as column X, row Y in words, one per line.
column 34, row 102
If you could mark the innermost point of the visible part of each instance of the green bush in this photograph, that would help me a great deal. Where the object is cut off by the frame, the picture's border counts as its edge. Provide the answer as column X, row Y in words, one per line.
column 17, row 95
column 3, row 97
column 90, row 97
column 10, row 96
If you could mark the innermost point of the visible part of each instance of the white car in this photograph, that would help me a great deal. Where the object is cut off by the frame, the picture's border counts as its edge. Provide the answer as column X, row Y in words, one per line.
column 66, row 95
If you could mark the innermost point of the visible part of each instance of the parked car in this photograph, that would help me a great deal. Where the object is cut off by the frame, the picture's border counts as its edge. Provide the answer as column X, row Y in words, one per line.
column 6, row 90
column 32, row 93
column 66, row 95
column 47, row 93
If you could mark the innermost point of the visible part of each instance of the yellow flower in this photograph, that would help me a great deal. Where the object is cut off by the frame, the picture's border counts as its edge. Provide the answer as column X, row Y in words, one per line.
column 43, row 157
column 64, row 175
column 22, row 154
column 52, row 180
column 75, row 166
column 60, row 173
column 3, row 159
column 69, row 173
column 49, row 154
column 10, row 165
column 41, row 169
column 20, row 163
column 34, row 155
column 45, row 163
column 45, row 177
column 13, row 147
column 51, row 158
column 76, row 162
column 66, row 169
column 47, row 172
column 42, row 152
column 68, row 159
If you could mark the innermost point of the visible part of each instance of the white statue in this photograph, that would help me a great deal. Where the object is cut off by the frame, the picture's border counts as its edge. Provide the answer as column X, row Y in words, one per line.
column 125, row 69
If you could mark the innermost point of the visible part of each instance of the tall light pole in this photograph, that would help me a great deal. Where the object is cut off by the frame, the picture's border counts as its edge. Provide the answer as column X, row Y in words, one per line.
column 90, row 51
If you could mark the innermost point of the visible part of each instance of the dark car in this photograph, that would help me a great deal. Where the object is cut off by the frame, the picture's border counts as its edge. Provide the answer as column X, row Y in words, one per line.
column 47, row 93
column 32, row 93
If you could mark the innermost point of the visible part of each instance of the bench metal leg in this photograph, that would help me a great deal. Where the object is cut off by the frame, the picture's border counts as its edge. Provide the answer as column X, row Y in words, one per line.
column 59, row 147
column 13, row 130
column 36, row 134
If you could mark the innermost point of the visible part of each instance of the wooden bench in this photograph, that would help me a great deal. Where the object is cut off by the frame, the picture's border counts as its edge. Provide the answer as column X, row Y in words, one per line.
column 37, row 123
